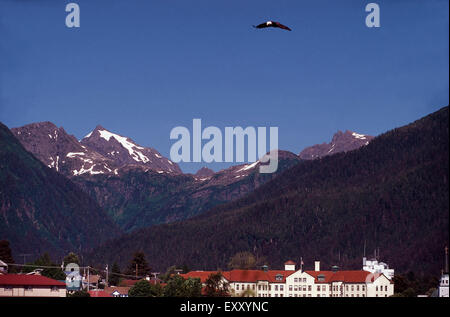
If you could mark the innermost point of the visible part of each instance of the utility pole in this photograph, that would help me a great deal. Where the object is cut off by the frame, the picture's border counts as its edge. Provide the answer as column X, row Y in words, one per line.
column 24, row 257
column 88, row 279
column 136, row 270
column 106, row 284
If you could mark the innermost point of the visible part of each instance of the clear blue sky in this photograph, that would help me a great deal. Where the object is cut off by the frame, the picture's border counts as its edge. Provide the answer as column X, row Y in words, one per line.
column 140, row 68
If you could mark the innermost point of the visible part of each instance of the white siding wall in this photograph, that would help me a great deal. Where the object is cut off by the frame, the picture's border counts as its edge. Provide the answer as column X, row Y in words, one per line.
column 36, row 291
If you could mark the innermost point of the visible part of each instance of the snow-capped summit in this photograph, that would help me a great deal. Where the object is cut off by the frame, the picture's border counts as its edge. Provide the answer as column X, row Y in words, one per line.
column 341, row 142
column 60, row 151
column 124, row 151
column 99, row 152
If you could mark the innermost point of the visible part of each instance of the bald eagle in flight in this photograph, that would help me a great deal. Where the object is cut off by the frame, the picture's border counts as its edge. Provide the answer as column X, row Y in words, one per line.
column 272, row 24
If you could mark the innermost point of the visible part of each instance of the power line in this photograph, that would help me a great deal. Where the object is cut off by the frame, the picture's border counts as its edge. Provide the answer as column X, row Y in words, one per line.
column 81, row 267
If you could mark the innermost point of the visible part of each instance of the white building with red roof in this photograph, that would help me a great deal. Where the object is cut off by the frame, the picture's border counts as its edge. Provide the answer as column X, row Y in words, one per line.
column 21, row 285
column 298, row 283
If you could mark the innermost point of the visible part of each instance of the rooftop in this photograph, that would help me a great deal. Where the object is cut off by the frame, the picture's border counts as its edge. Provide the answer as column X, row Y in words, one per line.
column 28, row 280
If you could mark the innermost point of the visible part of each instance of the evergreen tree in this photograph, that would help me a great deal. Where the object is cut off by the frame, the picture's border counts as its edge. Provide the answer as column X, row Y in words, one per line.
column 114, row 277
column 138, row 265
column 71, row 258
column 6, row 255
column 44, row 262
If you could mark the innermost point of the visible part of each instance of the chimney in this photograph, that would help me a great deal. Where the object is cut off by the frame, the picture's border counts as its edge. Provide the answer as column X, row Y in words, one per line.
column 364, row 261
column 317, row 266
column 335, row 268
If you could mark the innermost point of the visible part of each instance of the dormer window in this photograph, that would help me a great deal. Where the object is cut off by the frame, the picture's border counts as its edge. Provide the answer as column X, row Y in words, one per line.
column 279, row 277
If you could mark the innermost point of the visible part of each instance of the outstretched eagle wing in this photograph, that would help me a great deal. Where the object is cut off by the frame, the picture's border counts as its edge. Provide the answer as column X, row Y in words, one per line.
column 281, row 26
column 261, row 26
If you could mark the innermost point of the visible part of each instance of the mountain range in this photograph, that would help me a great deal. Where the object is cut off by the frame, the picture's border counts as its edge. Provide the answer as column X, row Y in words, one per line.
column 136, row 185
column 108, row 194
column 391, row 195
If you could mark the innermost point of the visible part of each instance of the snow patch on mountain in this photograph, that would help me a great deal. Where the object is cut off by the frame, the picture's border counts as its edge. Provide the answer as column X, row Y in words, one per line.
column 359, row 136
column 137, row 156
column 248, row 166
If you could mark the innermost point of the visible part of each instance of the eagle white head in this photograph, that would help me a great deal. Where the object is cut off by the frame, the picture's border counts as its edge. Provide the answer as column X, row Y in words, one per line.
column 269, row 22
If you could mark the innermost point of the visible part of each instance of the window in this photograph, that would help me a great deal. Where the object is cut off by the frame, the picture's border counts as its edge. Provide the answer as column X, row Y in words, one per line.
column 237, row 287
column 357, row 287
column 324, row 288
column 253, row 287
column 376, row 288
column 295, row 280
column 385, row 288
column 54, row 289
column 290, row 287
column 346, row 287
column 363, row 287
column 304, row 280
column 281, row 287
column 309, row 288
column 28, row 288
column 318, row 287
column 276, row 287
column 353, row 288
column 259, row 287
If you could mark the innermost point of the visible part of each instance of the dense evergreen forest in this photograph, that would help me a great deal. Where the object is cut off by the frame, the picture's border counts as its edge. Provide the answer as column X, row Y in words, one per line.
column 391, row 194
column 41, row 210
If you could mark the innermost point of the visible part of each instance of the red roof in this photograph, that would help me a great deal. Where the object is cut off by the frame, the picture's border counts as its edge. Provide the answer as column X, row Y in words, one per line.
column 289, row 263
column 244, row 276
column 128, row 282
column 28, row 280
column 248, row 276
column 99, row 294
column 351, row 276
column 327, row 275
column 252, row 276
column 344, row 276
column 202, row 275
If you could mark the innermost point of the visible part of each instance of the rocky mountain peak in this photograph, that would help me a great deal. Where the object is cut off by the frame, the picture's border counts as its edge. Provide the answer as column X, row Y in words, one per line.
column 341, row 142
column 204, row 172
